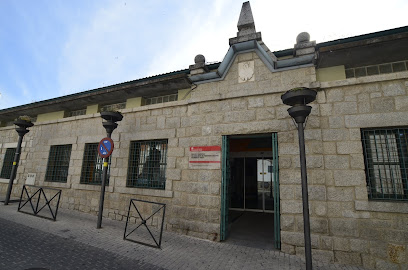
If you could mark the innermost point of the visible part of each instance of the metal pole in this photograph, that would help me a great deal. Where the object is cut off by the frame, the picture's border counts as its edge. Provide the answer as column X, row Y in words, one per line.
column 14, row 168
column 305, row 198
column 103, row 184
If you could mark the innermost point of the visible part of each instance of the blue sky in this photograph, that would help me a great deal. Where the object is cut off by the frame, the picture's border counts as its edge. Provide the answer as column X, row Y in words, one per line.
column 54, row 48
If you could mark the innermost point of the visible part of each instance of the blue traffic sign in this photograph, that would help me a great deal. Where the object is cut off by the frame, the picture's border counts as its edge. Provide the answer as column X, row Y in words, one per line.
column 105, row 147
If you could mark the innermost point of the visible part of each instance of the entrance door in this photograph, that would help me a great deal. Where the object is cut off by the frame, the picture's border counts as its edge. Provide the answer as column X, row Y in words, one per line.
column 251, row 184
column 265, row 187
column 250, row 180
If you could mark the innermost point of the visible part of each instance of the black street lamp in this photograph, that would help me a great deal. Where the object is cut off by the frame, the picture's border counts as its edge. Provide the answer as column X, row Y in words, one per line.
column 22, row 125
column 298, row 98
column 110, row 125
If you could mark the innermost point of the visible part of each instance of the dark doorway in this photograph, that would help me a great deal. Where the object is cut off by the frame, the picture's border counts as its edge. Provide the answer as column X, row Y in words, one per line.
column 251, row 190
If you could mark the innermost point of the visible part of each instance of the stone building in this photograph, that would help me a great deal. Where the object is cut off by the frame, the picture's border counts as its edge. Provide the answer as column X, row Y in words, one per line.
column 215, row 140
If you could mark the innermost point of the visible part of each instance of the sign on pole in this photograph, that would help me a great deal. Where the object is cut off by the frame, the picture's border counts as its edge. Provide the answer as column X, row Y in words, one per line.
column 105, row 147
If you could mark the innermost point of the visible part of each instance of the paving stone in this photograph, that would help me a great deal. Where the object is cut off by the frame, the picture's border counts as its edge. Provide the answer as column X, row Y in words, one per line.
column 73, row 242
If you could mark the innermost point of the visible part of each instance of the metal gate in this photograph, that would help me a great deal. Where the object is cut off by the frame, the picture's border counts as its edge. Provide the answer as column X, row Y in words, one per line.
column 276, row 198
column 224, row 188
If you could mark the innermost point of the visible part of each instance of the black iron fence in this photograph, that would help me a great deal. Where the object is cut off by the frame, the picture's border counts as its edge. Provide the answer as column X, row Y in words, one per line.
column 39, row 198
column 152, row 224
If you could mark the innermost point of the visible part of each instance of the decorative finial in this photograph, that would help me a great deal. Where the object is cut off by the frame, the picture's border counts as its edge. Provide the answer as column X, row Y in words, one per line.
column 246, row 26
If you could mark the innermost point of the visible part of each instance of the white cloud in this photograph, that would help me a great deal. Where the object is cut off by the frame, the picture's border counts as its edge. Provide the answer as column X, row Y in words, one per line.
column 128, row 40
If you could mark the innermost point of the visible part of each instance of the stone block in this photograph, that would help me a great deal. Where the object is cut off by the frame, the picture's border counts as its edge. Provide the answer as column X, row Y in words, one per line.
column 335, row 134
column 291, row 207
column 209, row 201
column 255, row 102
column 289, row 177
column 214, row 118
column 215, row 188
column 357, row 161
column 376, row 119
column 173, row 174
column 334, row 95
column 242, row 116
column 401, row 103
column 326, row 109
column 336, row 162
column 343, row 227
column 350, row 98
column 336, row 121
column 239, row 104
column 349, row 258
column 175, row 152
column 344, row 108
column 360, row 245
column 206, row 130
column 383, row 104
column 173, row 122
column 319, row 209
column 393, row 89
column 342, row 244
column 340, row 194
column 273, row 100
column 343, row 178
column 287, row 223
column 326, row 242
column 329, row 148
column 313, row 134
column 288, row 149
column 265, row 113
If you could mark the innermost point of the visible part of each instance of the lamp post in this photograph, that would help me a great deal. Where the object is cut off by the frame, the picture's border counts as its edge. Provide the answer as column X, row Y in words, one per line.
column 22, row 130
column 110, row 125
column 298, row 98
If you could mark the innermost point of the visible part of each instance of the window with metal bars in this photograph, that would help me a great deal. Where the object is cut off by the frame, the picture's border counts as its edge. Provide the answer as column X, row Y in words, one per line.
column 92, row 166
column 8, row 163
column 386, row 162
column 77, row 112
column 58, row 163
column 147, row 164
column 161, row 99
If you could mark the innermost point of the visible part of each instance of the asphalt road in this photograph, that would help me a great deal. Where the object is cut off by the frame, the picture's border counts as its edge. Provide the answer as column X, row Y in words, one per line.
column 22, row 247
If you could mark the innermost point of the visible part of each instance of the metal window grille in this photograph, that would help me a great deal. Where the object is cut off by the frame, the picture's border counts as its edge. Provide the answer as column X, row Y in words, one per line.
column 8, row 163
column 377, row 69
column 386, row 161
column 77, row 112
column 113, row 107
column 147, row 164
column 92, row 166
column 161, row 99
column 58, row 163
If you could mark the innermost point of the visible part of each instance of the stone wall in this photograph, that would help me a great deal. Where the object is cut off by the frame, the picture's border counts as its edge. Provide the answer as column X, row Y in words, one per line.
column 346, row 227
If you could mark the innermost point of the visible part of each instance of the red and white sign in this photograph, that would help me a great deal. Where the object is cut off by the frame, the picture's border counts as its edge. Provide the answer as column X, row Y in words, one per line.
column 205, row 157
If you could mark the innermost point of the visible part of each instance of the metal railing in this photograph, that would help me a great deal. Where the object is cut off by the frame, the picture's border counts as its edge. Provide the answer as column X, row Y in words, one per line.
column 35, row 198
column 151, row 223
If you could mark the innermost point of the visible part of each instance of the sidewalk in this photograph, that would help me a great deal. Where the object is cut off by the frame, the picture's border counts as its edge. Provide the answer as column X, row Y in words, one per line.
column 177, row 252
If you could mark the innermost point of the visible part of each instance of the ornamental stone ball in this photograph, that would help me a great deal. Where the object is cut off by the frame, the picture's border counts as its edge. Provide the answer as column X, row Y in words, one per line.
column 199, row 59
column 303, row 37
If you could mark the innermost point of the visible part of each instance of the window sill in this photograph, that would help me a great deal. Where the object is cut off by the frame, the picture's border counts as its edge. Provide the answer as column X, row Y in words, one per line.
column 6, row 181
column 56, row 184
column 382, row 206
column 91, row 187
column 145, row 192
